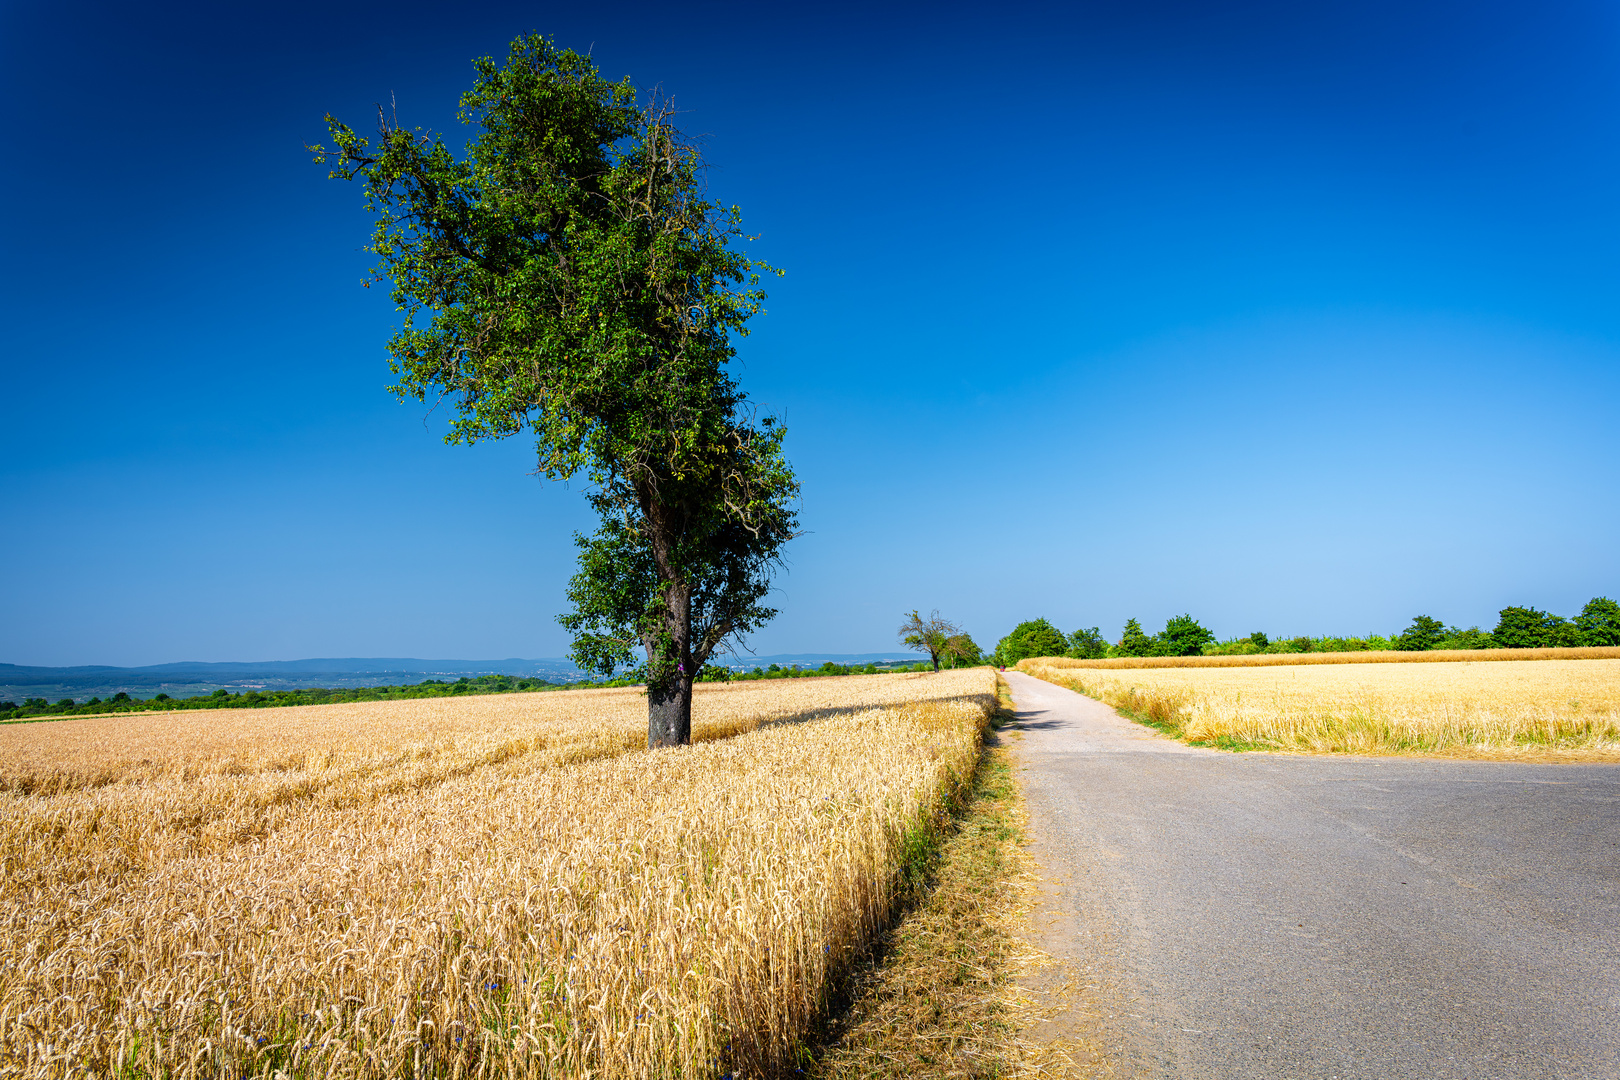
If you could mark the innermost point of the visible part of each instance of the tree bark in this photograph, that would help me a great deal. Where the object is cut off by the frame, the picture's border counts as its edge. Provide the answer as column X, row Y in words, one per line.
column 669, row 712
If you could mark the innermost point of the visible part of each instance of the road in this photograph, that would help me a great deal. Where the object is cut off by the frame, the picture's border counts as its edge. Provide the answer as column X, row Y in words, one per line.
column 1282, row 917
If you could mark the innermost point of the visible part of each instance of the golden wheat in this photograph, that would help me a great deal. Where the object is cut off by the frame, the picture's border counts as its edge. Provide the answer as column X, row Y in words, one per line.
column 639, row 914
column 1554, row 708
column 1433, row 656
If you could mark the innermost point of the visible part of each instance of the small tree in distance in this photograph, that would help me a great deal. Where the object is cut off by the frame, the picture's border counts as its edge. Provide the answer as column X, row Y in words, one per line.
column 1424, row 633
column 1037, row 637
column 1183, row 636
column 1087, row 643
column 931, row 635
column 1134, row 641
column 963, row 651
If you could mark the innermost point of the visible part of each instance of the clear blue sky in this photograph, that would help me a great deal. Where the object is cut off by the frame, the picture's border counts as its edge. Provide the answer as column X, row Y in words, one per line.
column 1295, row 317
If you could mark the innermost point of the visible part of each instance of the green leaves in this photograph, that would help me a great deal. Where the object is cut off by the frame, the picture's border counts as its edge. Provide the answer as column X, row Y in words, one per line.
column 564, row 275
column 1599, row 622
column 567, row 276
column 1037, row 637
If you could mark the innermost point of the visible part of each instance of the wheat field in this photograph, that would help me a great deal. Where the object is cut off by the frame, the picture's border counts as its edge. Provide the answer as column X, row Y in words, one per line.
column 493, row 886
column 1548, row 709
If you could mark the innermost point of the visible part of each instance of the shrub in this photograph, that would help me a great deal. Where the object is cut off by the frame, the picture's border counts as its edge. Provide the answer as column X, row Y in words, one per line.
column 1472, row 638
column 1235, row 647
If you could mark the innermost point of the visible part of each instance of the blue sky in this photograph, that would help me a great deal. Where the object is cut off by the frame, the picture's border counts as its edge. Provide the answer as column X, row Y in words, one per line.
column 1303, row 318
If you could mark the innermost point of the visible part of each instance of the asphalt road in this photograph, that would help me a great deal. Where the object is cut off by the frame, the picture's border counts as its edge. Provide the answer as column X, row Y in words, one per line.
column 1281, row 917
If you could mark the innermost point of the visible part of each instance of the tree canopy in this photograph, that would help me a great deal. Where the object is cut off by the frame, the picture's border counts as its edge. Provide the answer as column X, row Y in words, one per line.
column 1087, row 643
column 1037, row 637
column 1424, row 633
column 568, row 276
column 1599, row 622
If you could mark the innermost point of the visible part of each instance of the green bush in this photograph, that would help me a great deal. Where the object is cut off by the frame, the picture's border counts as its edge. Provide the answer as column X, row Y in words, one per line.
column 1234, row 647
column 1472, row 638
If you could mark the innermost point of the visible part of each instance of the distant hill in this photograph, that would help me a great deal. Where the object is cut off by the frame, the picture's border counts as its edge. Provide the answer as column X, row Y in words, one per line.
column 187, row 678
column 190, row 677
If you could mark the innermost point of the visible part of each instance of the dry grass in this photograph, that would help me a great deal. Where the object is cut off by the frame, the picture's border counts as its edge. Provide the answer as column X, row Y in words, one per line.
column 1557, row 709
column 960, row 989
column 934, row 1002
column 481, row 887
column 1441, row 656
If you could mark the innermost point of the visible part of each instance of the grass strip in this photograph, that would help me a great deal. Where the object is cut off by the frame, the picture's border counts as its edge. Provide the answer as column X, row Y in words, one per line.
column 932, row 999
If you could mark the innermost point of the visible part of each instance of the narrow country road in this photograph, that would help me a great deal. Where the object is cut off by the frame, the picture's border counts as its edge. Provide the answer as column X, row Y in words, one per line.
column 1277, row 917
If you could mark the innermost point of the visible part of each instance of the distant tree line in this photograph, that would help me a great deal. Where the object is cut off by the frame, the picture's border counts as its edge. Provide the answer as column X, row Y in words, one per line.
column 1598, row 624
column 263, row 699
column 39, row 708
column 794, row 671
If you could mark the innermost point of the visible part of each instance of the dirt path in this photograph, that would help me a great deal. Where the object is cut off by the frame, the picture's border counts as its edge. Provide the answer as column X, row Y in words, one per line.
column 1277, row 917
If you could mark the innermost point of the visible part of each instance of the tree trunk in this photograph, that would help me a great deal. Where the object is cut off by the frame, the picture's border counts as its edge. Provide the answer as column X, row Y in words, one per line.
column 669, row 712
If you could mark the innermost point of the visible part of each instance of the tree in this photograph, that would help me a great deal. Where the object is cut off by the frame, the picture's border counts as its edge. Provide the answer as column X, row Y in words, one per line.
column 963, row 651
column 1599, row 622
column 1134, row 641
column 1037, row 637
column 1558, row 632
column 566, row 276
column 1527, row 628
column 1087, row 644
column 931, row 635
column 1424, row 633
column 1182, row 636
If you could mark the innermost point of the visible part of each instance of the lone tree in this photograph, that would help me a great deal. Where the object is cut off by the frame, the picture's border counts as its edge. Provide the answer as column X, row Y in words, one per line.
column 567, row 276
column 932, row 635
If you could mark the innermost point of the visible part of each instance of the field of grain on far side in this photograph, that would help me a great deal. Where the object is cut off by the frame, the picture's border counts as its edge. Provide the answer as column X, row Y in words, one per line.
column 492, row 886
column 1553, row 709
